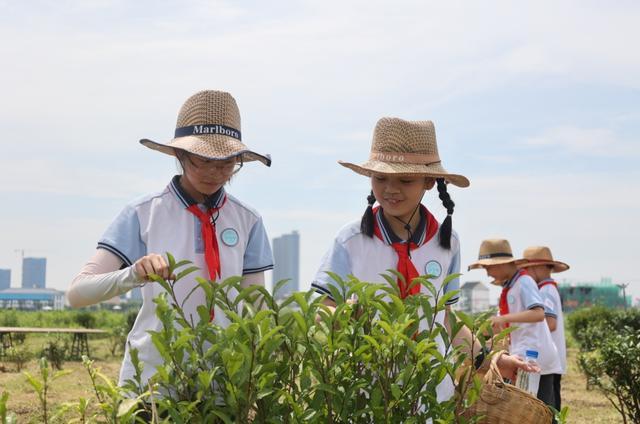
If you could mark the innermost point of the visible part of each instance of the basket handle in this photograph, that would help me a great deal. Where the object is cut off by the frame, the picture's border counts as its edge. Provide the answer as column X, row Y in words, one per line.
column 493, row 375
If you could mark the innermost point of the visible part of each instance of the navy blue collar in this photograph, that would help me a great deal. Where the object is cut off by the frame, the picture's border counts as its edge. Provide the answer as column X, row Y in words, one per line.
column 390, row 237
column 213, row 201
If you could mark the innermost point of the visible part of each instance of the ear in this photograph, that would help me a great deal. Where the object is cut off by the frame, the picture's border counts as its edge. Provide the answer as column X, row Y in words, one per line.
column 429, row 183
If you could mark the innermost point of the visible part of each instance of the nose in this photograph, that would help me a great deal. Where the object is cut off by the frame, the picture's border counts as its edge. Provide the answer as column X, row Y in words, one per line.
column 391, row 187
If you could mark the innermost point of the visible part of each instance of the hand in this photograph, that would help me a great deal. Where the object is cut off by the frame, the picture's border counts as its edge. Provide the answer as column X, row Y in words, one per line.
column 498, row 323
column 509, row 364
column 151, row 264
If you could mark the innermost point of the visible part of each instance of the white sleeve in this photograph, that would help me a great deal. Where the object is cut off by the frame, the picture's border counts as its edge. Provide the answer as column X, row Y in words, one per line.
column 101, row 279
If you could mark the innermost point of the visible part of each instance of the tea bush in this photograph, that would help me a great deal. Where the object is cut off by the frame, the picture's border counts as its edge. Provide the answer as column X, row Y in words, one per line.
column 609, row 341
column 55, row 351
column 377, row 360
column 19, row 356
column 380, row 359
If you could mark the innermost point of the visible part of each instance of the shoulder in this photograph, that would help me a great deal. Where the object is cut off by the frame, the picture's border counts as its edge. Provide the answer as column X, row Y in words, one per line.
column 149, row 199
column 242, row 207
column 349, row 232
column 527, row 281
column 144, row 205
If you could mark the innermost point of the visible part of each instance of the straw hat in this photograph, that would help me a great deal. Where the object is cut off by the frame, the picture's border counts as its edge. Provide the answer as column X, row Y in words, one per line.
column 405, row 147
column 209, row 126
column 494, row 252
column 541, row 255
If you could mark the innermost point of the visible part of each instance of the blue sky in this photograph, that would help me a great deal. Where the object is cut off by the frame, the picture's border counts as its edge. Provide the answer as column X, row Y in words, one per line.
column 538, row 103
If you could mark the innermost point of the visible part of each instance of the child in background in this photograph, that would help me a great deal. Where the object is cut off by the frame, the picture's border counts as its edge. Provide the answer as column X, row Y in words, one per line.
column 520, row 305
column 539, row 263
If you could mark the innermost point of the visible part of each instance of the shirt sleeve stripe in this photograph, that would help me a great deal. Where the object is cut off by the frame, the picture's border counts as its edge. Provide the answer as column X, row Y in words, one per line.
column 116, row 252
column 255, row 270
column 321, row 290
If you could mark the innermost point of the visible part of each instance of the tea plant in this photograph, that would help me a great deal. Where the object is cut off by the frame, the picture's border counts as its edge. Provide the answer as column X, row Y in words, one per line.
column 379, row 359
column 18, row 355
column 42, row 385
column 6, row 417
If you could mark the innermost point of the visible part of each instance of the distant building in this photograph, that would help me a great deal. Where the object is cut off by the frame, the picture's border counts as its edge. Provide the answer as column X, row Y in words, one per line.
column 5, row 279
column 31, row 299
column 34, row 271
column 286, row 254
column 474, row 297
column 585, row 294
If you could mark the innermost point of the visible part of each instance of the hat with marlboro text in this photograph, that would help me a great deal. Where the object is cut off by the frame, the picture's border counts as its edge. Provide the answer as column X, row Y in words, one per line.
column 541, row 255
column 209, row 126
column 405, row 147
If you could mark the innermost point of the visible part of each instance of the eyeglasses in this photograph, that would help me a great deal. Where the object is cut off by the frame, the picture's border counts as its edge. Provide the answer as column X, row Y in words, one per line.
column 225, row 166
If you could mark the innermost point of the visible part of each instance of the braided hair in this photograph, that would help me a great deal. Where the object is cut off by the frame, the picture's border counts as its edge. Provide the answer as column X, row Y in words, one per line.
column 366, row 224
column 445, row 229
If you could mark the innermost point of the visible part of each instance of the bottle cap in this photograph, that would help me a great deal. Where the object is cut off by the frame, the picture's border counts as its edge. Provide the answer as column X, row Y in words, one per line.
column 532, row 354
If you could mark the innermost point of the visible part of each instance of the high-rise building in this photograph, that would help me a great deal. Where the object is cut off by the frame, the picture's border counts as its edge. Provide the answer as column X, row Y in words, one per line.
column 34, row 271
column 5, row 279
column 286, row 254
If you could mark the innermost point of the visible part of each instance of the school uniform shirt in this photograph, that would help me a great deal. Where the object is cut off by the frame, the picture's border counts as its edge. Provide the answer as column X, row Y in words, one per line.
column 522, row 295
column 354, row 253
column 161, row 223
column 553, row 308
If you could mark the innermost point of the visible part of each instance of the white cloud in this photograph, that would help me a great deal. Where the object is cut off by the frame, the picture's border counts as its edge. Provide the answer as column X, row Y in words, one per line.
column 40, row 175
column 584, row 142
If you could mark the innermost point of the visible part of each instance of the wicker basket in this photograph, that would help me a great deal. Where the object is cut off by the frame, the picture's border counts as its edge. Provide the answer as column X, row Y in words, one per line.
column 504, row 403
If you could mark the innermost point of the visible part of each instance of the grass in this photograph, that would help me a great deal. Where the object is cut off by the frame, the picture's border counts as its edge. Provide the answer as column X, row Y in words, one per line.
column 584, row 406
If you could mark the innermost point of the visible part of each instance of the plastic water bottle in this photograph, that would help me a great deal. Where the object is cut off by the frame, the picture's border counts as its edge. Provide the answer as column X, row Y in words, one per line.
column 529, row 380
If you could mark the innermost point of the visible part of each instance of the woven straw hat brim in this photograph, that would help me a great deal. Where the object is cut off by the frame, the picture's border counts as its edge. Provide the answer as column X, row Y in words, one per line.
column 494, row 261
column 211, row 146
column 557, row 265
column 434, row 170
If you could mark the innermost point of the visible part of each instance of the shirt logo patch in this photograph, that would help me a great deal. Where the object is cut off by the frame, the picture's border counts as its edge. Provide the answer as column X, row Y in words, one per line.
column 511, row 299
column 433, row 268
column 230, row 237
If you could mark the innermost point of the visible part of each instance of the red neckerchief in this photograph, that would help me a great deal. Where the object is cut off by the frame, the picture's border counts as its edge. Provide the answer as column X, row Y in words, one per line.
column 405, row 267
column 546, row 282
column 504, row 304
column 208, row 231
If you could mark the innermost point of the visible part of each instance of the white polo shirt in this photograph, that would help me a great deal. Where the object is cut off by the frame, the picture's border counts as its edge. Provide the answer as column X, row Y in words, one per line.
column 161, row 223
column 354, row 253
column 553, row 308
column 523, row 295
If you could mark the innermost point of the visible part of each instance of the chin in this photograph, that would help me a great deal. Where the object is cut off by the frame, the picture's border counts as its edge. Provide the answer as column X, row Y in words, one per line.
column 209, row 189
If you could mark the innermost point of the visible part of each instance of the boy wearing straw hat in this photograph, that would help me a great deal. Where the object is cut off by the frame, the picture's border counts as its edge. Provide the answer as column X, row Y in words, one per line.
column 194, row 218
column 401, row 233
column 539, row 263
column 520, row 305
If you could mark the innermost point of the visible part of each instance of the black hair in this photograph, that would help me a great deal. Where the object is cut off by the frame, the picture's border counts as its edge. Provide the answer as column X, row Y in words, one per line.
column 366, row 225
column 445, row 227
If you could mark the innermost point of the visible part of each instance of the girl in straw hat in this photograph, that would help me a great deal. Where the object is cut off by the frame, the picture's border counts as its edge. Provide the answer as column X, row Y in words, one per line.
column 520, row 305
column 539, row 263
column 194, row 218
column 400, row 233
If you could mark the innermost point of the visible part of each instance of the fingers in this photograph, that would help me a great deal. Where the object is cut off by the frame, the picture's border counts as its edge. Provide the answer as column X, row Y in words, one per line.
column 508, row 366
column 151, row 264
